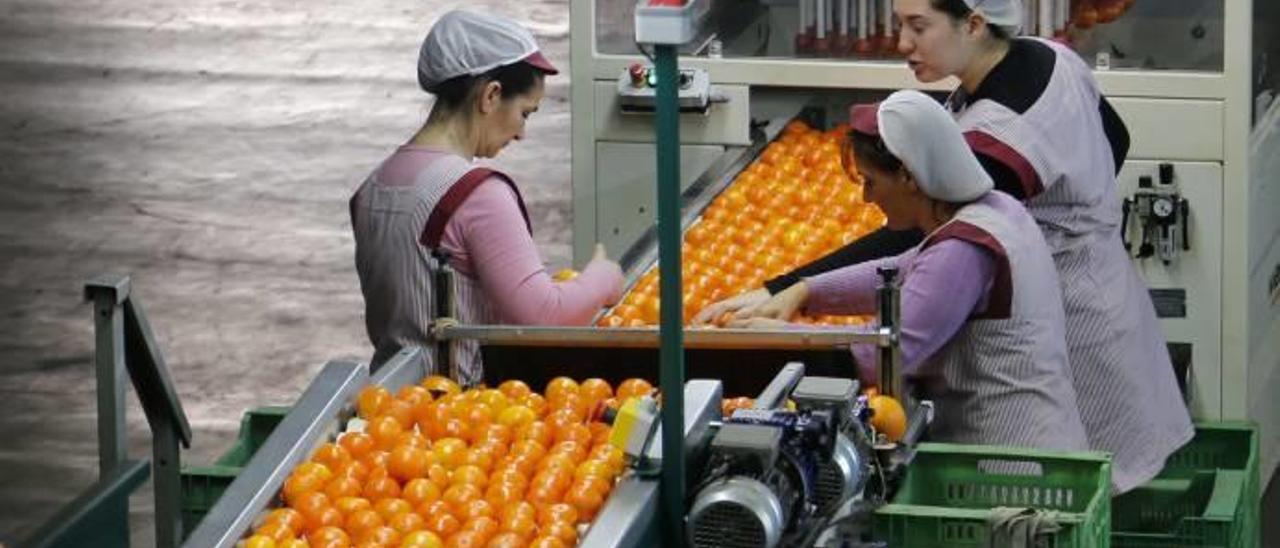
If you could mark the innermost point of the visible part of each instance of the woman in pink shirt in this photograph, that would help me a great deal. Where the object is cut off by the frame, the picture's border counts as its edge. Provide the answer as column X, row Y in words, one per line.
column 429, row 202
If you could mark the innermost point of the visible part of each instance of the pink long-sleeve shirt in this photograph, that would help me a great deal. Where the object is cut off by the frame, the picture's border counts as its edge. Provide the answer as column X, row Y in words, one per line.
column 487, row 240
column 942, row 287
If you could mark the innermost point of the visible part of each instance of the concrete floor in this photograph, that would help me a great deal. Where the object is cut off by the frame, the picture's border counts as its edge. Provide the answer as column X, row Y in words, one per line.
column 207, row 148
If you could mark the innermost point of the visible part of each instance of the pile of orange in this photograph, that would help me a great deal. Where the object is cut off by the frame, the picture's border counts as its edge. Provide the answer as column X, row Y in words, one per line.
column 792, row 205
column 439, row 466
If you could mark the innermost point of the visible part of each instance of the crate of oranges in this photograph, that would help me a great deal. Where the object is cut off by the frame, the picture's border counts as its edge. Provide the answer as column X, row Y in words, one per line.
column 434, row 465
column 793, row 204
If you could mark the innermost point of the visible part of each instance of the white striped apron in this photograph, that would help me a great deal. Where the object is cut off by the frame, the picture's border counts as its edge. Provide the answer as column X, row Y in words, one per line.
column 396, row 228
column 1129, row 398
column 1003, row 379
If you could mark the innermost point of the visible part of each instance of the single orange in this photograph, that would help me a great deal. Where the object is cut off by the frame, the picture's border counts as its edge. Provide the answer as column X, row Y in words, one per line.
column 380, row 488
column 563, row 530
column 343, row 486
column 362, row 521
column 407, row 522
column 419, row 491
column 357, row 444
column 391, row 507
column 413, row 394
column 332, row 455
column 385, row 431
column 421, row 539
column 350, row 505
column 547, row 542
column 407, row 463
column 276, row 531
column 439, row 385
column 559, row 512
column 371, row 401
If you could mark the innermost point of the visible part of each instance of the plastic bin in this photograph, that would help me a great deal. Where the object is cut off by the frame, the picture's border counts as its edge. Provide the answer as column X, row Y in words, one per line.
column 949, row 491
column 203, row 485
column 1206, row 496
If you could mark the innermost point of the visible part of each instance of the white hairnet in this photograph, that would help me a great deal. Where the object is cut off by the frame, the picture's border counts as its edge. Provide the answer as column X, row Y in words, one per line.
column 466, row 43
column 922, row 134
column 1006, row 14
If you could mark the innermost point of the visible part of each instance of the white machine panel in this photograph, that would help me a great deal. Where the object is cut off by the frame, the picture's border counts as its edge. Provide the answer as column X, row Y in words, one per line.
column 626, row 186
column 1174, row 129
column 1197, row 272
column 724, row 124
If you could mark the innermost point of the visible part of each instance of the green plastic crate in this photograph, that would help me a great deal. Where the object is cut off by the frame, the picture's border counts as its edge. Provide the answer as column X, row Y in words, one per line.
column 203, row 485
column 1207, row 495
column 949, row 491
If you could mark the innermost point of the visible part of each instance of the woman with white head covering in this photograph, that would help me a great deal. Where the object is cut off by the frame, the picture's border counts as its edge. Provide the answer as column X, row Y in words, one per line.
column 1032, row 113
column 430, row 201
column 982, row 320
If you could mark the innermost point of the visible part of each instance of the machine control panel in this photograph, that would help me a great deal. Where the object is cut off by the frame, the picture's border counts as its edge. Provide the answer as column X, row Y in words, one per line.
column 1162, row 217
column 637, row 88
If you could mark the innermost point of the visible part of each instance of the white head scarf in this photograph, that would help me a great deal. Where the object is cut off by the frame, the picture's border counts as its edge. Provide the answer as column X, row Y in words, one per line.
column 1006, row 14
column 466, row 43
column 918, row 131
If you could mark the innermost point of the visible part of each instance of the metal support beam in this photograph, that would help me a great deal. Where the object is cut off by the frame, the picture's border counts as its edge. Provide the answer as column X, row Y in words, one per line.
column 107, row 293
column 671, row 313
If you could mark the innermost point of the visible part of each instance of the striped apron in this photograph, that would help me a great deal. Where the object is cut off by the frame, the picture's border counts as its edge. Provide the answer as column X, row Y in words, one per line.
column 1003, row 379
column 1129, row 398
column 397, row 228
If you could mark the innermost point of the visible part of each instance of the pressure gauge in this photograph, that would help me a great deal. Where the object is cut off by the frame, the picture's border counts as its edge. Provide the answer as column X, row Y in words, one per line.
column 1163, row 208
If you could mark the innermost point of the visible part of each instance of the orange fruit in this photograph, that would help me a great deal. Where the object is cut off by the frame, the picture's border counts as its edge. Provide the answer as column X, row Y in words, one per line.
column 563, row 530
column 585, row 499
column 439, row 385
column 535, row 402
column 263, row 541
column 595, row 390
column 501, row 494
column 413, row 394
column 509, row 476
column 419, row 491
column 362, row 521
column 485, row 525
column 474, row 509
column 515, row 416
column 407, row 522
column 887, row 416
column 354, row 469
column 467, row 539
column 371, row 401
column 469, row 473
column 385, row 431
column 440, row 476
column 288, row 516
column 537, row 431
column 407, row 463
column 559, row 512
column 443, row 524
column 325, row 517
column 380, row 488
column 294, row 543
column 332, row 456
column 514, row 389
column 350, row 505
column 328, row 537
column 632, row 388
column 357, row 444
column 450, row 452
column 392, row 507
column 575, row 432
column 507, row 540
column 560, row 387
column 494, row 399
column 276, row 531
column 547, row 542
column 459, row 496
column 381, row 536
column 421, row 539
column 593, row 468
column 342, row 486
column 300, row 484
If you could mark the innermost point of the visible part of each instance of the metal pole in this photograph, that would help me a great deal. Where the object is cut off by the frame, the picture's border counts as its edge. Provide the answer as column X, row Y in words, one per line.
column 107, row 292
column 887, row 300
column 671, row 314
column 168, row 487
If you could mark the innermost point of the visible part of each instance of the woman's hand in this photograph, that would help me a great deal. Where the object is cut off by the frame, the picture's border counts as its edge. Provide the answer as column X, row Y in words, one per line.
column 782, row 306
column 713, row 311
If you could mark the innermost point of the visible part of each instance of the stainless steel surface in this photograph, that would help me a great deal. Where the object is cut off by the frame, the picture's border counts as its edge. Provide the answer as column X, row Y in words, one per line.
column 749, row 339
column 629, row 516
column 312, row 419
column 644, row 252
column 737, row 512
column 840, row 478
column 408, row 366
column 776, row 393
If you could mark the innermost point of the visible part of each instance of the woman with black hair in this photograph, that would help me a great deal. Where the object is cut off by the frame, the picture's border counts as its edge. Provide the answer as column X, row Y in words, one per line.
column 1032, row 112
column 429, row 201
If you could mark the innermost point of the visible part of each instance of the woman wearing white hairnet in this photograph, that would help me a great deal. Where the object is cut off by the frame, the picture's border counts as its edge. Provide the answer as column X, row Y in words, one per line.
column 982, row 320
column 430, row 198
column 1032, row 113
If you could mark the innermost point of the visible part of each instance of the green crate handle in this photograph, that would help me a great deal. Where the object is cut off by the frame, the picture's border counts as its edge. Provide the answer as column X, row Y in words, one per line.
column 979, row 452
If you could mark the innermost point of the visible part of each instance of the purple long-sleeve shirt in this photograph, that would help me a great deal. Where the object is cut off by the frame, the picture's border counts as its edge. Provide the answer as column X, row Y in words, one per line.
column 942, row 287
